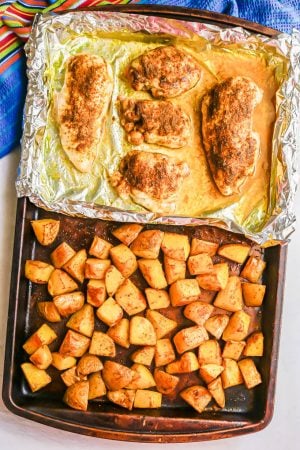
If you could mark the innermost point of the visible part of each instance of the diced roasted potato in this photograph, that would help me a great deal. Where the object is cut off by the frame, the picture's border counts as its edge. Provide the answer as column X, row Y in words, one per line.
column 61, row 255
column 83, row 321
column 165, row 382
column 176, row 246
column 230, row 298
column 38, row 271
column 122, row 397
column 62, row 362
column 36, row 378
column 76, row 395
column 102, row 345
column 216, row 279
column 237, row 328
column 215, row 325
column 216, row 390
column 184, row 291
column 209, row 352
column 89, row 364
column 198, row 312
column 144, row 355
column 100, row 248
column 124, row 260
column 233, row 349
column 110, row 312
column 208, row 372
column 200, row 246
column 235, row 252
column 254, row 345
column 97, row 387
column 127, row 233
column 196, row 396
column 60, row 283
column 250, row 373
column 199, row 264
column 141, row 331
column 71, row 376
column 147, row 399
column 174, row 269
column 120, row 333
column 74, row 344
column 96, row 292
column 113, row 280
column 153, row 273
column 130, row 298
column 67, row 304
column 48, row 311
column 187, row 363
column 45, row 230
column 253, row 269
column 116, row 376
column 147, row 244
column 43, row 336
column 142, row 378
column 42, row 357
column 190, row 338
column 164, row 352
column 253, row 293
column 96, row 268
column 157, row 298
column 231, row 375
column 76, row 265
column 161, row 324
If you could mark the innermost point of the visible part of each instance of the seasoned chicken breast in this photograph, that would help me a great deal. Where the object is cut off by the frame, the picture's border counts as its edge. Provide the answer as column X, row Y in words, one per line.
column 155, row 122
column 165, row 72
column 231, row 146
column 81, row 107
column 151, row 179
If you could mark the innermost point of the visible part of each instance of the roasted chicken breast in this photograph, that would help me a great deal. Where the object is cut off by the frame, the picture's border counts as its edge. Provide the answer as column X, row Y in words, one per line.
column 81, row 107
column 231, row 146
column 165, row 72
column 151, row 179
column 155, row 122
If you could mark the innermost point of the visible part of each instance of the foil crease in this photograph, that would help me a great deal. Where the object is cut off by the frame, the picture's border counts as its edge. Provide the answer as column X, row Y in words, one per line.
column 286, row 136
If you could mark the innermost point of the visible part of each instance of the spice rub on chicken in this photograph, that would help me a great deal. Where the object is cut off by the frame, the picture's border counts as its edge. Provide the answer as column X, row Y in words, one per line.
column 81, row 107
column 165, row 72
column 155, row 122
column 231, row 146
column 153, row 180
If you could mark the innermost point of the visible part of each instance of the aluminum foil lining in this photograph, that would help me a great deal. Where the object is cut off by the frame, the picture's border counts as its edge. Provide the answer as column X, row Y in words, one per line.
column 267, row 225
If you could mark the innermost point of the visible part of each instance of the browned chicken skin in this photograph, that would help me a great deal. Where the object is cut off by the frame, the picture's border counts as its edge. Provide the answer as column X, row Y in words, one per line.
column 155, row 122
column 165, row 72
column 231, row 147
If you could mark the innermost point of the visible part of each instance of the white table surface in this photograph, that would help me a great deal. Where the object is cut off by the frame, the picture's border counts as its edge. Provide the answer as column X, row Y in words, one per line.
column 283, row 433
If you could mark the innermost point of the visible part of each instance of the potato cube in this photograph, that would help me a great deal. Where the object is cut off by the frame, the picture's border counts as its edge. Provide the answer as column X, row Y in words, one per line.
column 183, row 292
column 96, row 268
column 67, row 304
column 216, row 279
column 42, row 357
column 253, row 294
column 231, row 375
column 83, row 321
column 200, row 246
column 144, row 355
column 153, row 273
column 116, row 376
column 141, row 331
column 142, row 379
column 97, row 387
column 147, row 399
column 174, row 269
column 230, row 298
column 216, row 390
column 96, row 292
column 71, row 376
column 255, row 345
column 187, row 363
column 110, row 312
column 147, row 244
column 130, row 298
column 102, row 345
column 120, row 333
column 198, row 312
column 208, row 372
column 190, row 338
column 165, row 382
column 176, row 246
column 38, row 271
column 199, row 264
column 124, row 260
column 48, row 311
column 76, row 265
column 36, row 378
column 76, row 395
column 215, row 325
column 157, row 298
column 164, row 352
column 122, row 397
column 253, row 269
column 127, row 233
column 61, row 255
column 196, row 396
column 60, row 283
column 250, row 373
column 45, row 230
column 43, row 336
column 238, row 326
column 89, row 364
column 62, row 362
column 161, row 324
column 209, row 352
column 74, row 344
column 235, row 252
column 100, row 248
column 113, row 280
column 233, row 349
